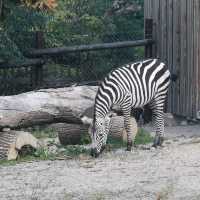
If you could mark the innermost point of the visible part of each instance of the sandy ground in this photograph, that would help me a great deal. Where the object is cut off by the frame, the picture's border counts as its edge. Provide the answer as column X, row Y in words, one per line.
column 171, row 172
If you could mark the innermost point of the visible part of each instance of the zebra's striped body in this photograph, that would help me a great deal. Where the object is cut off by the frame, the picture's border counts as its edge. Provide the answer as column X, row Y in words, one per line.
column 131, row 86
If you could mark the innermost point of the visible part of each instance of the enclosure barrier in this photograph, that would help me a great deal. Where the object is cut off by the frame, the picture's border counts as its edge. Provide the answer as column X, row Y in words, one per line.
column 10, row 71
column 93, row 47
column 32, row 74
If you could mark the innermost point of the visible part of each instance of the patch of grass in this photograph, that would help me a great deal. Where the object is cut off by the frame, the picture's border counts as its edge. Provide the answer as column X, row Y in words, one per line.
column 74, row 150
column 8, row 163
column 35, row 155
column 85, row 139
column 43, row 154
column 115, row 143
column 142, row 137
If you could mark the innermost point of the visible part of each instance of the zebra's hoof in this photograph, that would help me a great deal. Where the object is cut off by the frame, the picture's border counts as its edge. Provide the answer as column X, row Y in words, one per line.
column 158, row 141
column 161, row 140
column 129, row 146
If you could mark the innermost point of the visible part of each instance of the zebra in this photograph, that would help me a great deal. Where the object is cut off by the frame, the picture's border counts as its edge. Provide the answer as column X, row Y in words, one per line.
column 130, row 86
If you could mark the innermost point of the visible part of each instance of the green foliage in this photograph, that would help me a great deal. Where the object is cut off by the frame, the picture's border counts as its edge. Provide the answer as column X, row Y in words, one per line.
column 8, row 49
column 30, row 156
column 71, row 151
column 73, row 22
column 75, row 150
column 43, row 154
column 142, row 137
column 21, row 24
column 85, row 139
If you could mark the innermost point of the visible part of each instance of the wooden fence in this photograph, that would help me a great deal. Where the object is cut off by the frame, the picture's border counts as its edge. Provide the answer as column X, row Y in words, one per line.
column 176, row 29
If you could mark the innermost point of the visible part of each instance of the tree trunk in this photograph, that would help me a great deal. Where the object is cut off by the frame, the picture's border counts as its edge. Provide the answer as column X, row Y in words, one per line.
column 76, row 133
column 70, row 133
column 47, row 106
column 118, row 131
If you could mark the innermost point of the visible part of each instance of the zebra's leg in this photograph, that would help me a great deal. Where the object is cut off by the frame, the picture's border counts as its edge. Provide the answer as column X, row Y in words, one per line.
column 158, row 120
column 127, row 124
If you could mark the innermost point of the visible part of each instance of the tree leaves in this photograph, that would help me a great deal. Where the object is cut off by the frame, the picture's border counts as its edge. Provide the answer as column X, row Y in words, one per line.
column 41, row 4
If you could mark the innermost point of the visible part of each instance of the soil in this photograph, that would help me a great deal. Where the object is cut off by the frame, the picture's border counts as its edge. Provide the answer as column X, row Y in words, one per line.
column 171, row 172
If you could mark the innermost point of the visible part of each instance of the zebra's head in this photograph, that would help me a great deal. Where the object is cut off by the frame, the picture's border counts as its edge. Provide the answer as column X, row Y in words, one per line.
column 99, row 135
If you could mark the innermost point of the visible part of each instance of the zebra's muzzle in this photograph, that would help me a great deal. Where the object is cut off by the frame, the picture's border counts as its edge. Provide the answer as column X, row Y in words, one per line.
column 94, row 153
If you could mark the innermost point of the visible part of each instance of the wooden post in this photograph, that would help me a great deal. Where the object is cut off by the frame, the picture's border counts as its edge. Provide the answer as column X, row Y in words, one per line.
column 149, row 35
column 1, row 8
column 37, row 71
column 38, row 75
column 39, row 40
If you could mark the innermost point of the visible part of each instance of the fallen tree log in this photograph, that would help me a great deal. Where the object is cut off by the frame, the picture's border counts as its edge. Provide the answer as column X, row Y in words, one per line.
column 67, row 105
column 77, row 133
column 70, row 133
column 46, row 106
column 11, row 142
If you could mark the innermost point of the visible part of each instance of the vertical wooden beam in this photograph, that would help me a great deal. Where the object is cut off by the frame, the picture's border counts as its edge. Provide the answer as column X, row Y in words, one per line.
column 39, row 40
column 148, row 35
column 175, row 86
column 190, row 59
column 37, row 71
column 1, row 9
column 196, row 57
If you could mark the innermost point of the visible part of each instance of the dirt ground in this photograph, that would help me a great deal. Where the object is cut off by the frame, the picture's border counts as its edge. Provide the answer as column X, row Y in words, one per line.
column 171, row 172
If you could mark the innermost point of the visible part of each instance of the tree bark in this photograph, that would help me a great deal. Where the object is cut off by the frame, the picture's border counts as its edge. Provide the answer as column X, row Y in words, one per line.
column 70, row 133
column 75, row 133
column 47, row 106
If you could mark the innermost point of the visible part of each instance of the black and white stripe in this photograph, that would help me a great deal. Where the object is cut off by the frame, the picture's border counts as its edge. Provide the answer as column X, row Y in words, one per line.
column 131, row 86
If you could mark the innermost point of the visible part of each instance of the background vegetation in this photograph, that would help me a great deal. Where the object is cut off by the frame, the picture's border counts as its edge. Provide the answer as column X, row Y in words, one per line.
column 67, row 22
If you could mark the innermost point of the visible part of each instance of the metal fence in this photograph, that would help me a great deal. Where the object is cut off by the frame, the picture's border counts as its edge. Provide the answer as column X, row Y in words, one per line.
column 64, row 66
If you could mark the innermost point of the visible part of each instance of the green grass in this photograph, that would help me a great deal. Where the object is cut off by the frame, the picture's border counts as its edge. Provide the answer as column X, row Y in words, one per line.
column 142, row 137
column 33, row 155
column 72, row 151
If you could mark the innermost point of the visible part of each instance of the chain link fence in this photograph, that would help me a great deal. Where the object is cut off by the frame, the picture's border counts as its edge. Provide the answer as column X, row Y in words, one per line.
column 83, row 67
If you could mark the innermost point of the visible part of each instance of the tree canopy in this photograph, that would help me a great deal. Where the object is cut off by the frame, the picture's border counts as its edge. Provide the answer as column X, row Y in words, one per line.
column 66, row 22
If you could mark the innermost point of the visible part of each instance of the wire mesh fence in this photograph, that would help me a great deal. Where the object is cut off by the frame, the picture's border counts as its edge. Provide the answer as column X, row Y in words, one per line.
column 109, row 22
column 86, row 67
column 66, row 69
